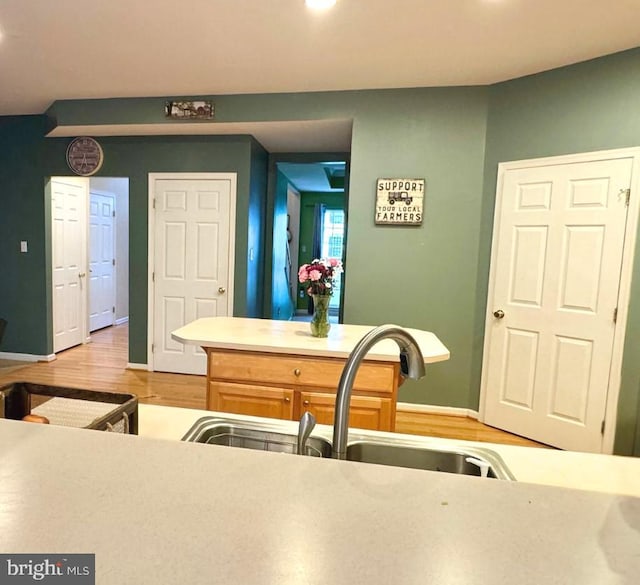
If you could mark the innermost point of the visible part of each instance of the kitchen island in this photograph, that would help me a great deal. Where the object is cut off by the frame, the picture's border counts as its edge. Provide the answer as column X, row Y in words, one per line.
column 276, row 369
column 167, row 512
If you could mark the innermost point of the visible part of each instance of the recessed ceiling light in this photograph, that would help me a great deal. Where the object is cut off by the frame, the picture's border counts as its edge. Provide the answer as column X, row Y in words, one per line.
column 320, row 4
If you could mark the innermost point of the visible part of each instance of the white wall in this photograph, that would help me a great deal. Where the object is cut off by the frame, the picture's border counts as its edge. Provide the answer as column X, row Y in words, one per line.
column 120, row 189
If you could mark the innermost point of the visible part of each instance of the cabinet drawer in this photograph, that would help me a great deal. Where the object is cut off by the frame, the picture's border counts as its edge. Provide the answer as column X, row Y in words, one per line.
column 298, row 371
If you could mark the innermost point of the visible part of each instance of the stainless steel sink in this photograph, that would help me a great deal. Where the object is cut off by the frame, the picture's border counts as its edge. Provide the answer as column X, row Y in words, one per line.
column 364, row 446
column 466, row 462
column 256, row 436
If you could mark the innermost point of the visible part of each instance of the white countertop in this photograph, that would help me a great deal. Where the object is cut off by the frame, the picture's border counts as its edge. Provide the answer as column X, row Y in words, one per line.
column 166, row 512
column 586, row 471
column 294, row 337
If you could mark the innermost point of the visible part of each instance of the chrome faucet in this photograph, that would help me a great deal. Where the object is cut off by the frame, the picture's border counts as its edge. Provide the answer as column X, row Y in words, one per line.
column 411, row 366
column 307, row 423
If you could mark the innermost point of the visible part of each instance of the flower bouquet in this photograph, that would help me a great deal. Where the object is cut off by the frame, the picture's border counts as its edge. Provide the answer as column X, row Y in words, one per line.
column 319, row 277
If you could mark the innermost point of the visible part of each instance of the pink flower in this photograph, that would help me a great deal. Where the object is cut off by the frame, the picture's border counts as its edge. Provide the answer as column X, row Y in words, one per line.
column 333, row 262
column 303, row 274
column 315, row 275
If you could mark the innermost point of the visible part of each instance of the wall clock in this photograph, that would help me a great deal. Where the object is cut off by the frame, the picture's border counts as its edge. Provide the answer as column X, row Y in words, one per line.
column 84, row 156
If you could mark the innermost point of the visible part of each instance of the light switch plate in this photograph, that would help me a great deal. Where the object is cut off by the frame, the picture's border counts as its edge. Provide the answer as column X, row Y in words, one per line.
column 23, row 246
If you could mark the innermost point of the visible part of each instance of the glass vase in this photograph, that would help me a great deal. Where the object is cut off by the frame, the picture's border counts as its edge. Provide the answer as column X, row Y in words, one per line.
column 320, row 321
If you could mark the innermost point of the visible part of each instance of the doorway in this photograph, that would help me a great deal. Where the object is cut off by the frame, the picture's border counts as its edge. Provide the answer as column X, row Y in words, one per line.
column 564, row 235
column 89, row 256
column 309, row 222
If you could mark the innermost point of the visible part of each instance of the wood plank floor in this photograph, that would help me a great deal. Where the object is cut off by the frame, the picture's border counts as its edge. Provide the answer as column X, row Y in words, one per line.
column 102, row 365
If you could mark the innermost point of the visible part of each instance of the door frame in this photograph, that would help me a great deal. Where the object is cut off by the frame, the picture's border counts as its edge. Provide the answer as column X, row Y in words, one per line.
column 626, row 272
column 151, row 255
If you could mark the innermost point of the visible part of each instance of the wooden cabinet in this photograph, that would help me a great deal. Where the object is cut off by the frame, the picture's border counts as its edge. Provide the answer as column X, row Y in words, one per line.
column 252, row 400
column 285, row 386
column 366, row 412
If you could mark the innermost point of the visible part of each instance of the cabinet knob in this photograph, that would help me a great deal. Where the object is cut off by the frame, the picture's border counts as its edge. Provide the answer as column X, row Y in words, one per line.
column 287, row 399
column 305, row 402
column 297, row 372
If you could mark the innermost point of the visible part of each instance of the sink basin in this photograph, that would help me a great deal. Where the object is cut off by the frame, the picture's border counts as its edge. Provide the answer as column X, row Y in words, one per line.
column 252, row 436
column 397, row 451
column 447, row 460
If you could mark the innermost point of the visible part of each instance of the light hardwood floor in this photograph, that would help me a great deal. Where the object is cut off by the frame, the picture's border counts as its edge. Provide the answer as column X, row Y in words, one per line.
column 102, row 365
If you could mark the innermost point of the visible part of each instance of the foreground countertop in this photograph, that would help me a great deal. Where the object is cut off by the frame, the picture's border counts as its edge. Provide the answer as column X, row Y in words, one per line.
column 567, row 469
column 168, row 512
column 293, row 337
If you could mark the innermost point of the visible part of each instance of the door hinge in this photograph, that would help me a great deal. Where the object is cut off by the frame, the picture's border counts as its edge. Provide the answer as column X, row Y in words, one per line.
column 615, row 315
column 113, row 262
column 602, row 428
column 153, row 277
column 154, row 202
column 153, row 349
column 627, row 194
column 113, row 213
column 113, row 309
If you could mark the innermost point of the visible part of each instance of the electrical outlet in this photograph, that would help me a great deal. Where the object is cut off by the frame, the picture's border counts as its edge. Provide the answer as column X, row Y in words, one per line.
column 23, row 246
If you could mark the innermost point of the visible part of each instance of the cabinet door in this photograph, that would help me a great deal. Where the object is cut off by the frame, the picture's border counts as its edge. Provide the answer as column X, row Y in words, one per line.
column 366, row 412
column 251, row 400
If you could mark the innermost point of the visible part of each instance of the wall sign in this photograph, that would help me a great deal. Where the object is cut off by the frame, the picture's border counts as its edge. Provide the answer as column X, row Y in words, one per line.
column 195, row 110
column 399, row 201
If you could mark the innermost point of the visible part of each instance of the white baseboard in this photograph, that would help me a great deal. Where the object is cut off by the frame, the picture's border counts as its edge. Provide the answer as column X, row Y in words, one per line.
column 27, row 357
column 433, row 409
column 131, row 366
column 122, row 320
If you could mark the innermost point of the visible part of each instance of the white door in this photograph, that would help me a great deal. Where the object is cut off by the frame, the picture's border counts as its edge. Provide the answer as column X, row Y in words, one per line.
column 555, row 274
column 102, row 291
column 193, row 267
column 68, row 252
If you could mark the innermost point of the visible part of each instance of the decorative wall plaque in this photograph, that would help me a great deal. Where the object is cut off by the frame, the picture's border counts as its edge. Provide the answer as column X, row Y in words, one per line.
column 194, row 110
column 399, row 201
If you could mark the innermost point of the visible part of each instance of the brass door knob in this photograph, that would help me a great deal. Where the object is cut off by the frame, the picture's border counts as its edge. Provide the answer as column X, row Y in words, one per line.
column 222, row 290
column 499, row 314
column 82, row 274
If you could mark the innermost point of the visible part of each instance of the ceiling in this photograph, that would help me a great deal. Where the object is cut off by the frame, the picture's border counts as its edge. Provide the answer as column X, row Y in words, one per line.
column 323, row 177
column 133, row 48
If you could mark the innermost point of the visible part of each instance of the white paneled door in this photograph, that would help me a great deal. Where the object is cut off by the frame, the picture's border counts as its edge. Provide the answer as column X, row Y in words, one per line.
column 102, row 291
column 555, row 277
column 193, row 263
column 68, row 254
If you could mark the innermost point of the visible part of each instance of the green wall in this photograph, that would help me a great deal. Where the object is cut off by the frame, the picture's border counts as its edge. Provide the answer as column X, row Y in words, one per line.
column 256, row 252
column 422, row 277
column 586, row 107
column 23, row 208
column 22, row 217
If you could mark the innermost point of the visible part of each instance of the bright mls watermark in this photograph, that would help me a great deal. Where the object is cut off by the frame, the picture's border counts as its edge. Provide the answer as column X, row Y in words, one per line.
column 63, row 569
